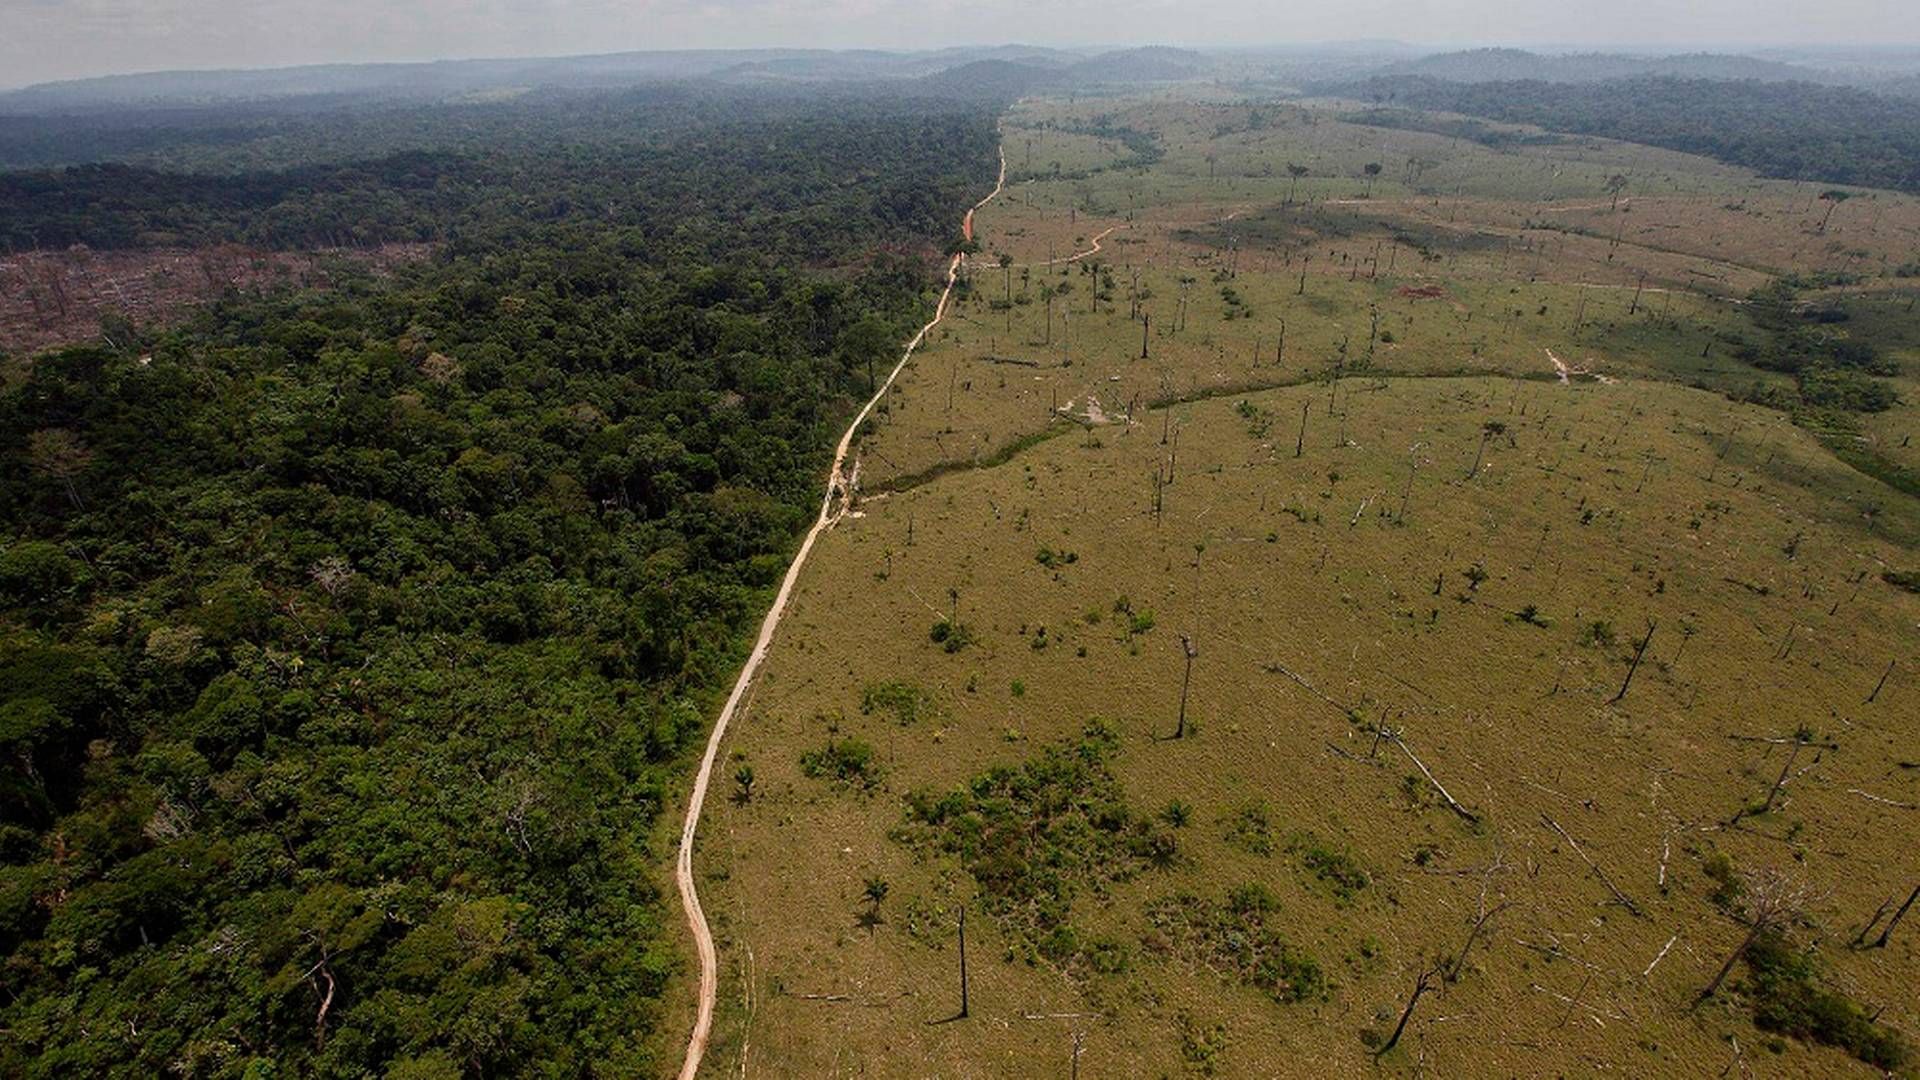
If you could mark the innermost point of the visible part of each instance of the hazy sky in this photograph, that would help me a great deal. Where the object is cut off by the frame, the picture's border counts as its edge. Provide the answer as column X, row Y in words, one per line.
column 52, row 39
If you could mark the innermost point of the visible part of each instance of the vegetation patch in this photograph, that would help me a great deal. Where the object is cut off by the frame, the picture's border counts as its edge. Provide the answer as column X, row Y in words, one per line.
column 903, row 701
column 1250, row 829
column 1039, row 834
column 1338, row 871
column 1787, row 998
column 1234, row 938
column 846, row 761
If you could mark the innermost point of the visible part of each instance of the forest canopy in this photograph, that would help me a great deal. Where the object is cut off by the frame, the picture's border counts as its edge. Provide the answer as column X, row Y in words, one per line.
column 1791, row 130
column 350, row 641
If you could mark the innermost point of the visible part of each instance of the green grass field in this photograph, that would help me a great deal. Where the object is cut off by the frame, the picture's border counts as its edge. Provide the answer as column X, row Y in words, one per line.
column 1403, row 568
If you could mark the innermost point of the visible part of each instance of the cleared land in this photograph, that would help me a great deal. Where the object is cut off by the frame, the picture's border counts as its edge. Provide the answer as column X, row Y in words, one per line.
column 1412, row 593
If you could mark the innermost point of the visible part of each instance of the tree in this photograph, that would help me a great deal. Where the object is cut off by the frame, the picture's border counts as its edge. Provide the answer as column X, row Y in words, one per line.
column 1833, row 199
column 1296, row 172
column 62, row 455
column 743, row 776
column 1372, row 171
column 1487, row 431
column 1616, row 184
column 1186, row 680
column 1771, row 900
column 1420, row 987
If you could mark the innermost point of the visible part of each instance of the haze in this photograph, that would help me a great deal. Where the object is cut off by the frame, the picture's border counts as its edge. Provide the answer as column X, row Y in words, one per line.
column 44, row 40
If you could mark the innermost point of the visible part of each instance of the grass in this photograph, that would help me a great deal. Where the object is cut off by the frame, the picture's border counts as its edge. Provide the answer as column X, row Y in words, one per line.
column 1323, row 579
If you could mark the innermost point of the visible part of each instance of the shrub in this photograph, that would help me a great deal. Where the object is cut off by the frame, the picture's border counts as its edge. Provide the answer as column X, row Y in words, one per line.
column 1251, row 829
column 848, row 761
column 1337, row 870
column 1036, row 835
column 1232, row 936
column 903, row 700
column 951, row 636
column 1788, row 999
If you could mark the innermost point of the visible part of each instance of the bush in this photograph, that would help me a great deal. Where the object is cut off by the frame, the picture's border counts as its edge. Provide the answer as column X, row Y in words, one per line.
column 848, row 761
column 903, row 700
column 1337, row 870
column 1036, row 835
column 1232, row 936
column 951, row 636
column 1788, row 999
column 1251, row 829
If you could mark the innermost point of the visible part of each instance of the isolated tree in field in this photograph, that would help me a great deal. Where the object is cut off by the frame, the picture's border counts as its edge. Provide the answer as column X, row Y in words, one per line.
column 1615, row 185
column 1006, row 268
column 1413, row 466
column 60, row 454
column 1047, row 294
column 1296, row 172
column 1420, row 987
column 1487, row 431
column 1372, row 171
column 1860, row 939
column 1833, row 199
column 743, row 776
column 964, row 1011
column 1186, row 681
column 1772, row 900
column 1638, row 653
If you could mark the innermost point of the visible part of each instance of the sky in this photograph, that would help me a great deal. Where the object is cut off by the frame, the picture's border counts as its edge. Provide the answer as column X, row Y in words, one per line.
column 43, row 40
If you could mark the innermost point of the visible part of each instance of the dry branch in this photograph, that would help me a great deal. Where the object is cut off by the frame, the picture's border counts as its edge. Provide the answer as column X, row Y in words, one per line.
column 1623, row 898
column 1452, row 803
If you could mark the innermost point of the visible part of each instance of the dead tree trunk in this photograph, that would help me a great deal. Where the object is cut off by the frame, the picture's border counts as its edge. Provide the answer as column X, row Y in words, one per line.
column 1186, row 680
column 1727, row 967
column 1881, row 942
column 1460, row 961
column 1635, row 666
column 1420, row 987
column 1877, row 687
column 963, row 964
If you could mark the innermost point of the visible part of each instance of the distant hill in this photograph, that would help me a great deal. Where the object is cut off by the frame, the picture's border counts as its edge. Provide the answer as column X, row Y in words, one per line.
column 988, row 80
column 455, row 79
column 1793, row 130
column 1152, row 63
column 1510, row 65
column 970, row 72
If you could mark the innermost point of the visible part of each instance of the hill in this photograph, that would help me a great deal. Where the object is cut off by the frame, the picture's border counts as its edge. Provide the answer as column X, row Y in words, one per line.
column 1502, row 65
column 1795, row 131
column 1153, row 63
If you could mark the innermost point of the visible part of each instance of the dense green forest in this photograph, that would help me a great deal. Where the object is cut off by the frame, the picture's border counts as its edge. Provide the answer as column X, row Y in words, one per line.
column 350, row 641
column 1796, row 131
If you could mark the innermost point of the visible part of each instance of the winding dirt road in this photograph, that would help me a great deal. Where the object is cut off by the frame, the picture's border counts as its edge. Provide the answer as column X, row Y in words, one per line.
column 837, row 485
column 1075, row 257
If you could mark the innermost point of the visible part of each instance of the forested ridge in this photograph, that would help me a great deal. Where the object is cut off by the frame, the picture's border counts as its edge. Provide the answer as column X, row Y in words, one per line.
column 1795, row 131
column 350, row 641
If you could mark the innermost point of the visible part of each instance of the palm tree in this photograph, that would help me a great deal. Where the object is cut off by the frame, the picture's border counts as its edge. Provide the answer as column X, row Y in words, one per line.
column 1487, row 431
column 1295, row 171
column 1372, row 169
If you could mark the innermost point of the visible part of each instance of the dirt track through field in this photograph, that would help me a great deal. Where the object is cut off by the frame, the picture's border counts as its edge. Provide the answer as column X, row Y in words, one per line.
column 837, row 483
column 1078, row 255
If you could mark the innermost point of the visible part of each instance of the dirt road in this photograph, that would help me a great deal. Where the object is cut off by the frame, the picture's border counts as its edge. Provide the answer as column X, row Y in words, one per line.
column 837, row 485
